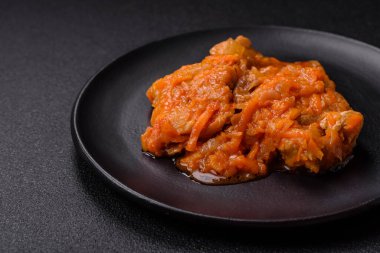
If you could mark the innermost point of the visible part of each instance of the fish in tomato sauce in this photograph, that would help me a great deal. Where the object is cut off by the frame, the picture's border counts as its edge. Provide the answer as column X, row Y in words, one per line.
column 228, row 117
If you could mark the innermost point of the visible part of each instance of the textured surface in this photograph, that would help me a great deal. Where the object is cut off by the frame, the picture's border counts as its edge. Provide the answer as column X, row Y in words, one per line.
column 51, row 202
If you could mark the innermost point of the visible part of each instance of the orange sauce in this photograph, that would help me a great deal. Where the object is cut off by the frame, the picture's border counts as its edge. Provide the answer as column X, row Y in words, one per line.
column 229, row 116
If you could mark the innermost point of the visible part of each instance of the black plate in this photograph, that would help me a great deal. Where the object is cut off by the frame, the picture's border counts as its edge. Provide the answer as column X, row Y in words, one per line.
column 112, row 112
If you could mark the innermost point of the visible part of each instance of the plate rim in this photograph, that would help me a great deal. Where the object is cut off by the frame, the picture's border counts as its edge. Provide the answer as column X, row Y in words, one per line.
column 168, row 209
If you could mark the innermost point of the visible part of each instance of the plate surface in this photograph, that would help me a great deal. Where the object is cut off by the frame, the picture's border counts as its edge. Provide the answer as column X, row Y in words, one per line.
column 112, row 112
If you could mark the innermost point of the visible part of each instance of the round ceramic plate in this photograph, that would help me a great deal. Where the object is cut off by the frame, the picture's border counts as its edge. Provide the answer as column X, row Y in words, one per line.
column 112, row 112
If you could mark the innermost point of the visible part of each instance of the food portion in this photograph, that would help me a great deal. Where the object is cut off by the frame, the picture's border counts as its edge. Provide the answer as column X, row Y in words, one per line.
column 237, row 114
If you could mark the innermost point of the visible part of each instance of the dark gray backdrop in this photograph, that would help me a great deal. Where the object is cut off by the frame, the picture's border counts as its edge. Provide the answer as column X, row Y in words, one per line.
column 51, row 202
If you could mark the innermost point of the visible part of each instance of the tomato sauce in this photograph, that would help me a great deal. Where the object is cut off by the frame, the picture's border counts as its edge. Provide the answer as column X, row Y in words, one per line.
column 230, row 116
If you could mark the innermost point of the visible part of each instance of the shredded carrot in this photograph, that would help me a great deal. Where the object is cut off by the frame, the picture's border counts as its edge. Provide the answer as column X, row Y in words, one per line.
column 199, row 126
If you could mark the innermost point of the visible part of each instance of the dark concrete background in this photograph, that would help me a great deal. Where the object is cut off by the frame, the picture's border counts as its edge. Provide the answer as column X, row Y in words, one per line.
column 51, row 202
